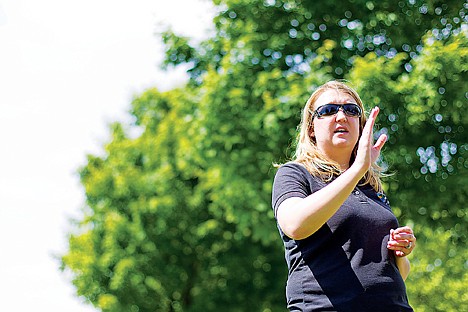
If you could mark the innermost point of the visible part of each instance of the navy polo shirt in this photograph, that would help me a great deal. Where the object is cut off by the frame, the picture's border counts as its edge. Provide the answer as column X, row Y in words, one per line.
column 345, row 265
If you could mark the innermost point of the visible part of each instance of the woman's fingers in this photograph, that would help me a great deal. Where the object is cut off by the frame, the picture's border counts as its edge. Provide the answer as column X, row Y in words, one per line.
column 402, row 241
column 405, row 229
column 380, row 142
column 369, row 126
column 378, row 146
column 367, row 152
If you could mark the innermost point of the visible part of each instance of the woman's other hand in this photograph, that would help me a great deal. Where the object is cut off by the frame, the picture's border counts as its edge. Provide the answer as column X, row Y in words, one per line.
column 402, row 241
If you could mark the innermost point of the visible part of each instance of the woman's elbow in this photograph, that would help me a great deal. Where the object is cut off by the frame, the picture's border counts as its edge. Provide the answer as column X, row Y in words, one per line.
column 294, row 231
column 291, row 220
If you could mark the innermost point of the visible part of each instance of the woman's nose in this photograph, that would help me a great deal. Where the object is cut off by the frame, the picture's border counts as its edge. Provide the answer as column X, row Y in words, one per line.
column 341, row 115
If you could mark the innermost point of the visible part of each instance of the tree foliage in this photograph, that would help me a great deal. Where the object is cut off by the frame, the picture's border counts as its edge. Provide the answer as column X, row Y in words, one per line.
column 423, row 117
column 178, row 213
column 286, row 34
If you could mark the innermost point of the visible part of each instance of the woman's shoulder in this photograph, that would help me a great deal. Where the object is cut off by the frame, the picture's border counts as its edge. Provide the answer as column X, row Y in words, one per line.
column 292, row 166
column 296, row 168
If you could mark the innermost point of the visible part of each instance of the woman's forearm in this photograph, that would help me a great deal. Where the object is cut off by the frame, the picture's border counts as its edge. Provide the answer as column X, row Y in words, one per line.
column 403, row 265
column 301, row 217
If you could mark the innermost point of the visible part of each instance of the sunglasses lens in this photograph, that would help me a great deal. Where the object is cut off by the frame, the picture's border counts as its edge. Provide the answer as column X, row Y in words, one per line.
column 352, row 110
column 327, row 110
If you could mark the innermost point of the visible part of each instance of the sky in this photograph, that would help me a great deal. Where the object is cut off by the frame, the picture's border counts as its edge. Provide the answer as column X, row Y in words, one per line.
column 67, row 70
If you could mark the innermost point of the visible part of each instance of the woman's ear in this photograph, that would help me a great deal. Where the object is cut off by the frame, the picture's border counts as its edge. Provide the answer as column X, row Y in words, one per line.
column 312, row 135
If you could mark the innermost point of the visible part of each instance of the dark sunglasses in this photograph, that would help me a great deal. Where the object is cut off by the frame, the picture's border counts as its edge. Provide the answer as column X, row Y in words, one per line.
column 352, row 110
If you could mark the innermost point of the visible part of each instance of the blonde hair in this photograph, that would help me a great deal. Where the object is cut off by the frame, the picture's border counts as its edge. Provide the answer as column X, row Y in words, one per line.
column 310, row 156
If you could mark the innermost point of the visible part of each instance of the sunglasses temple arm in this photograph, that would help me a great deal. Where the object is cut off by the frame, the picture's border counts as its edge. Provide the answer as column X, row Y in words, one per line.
column 313, row 113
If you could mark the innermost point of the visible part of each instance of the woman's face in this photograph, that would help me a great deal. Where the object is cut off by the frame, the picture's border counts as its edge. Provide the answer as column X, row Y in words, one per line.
column 335, row 135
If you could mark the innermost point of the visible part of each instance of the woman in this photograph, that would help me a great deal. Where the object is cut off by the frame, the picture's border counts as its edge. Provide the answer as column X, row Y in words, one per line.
column 344, row 248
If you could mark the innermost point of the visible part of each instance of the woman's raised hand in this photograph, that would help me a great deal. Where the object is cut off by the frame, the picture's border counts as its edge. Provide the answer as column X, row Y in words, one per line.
column 368, row 152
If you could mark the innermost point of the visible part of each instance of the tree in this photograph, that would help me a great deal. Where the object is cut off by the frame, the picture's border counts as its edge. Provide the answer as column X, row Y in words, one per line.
column 427, row 149
column 178, row 213
column 286, row 34
column 159, row 235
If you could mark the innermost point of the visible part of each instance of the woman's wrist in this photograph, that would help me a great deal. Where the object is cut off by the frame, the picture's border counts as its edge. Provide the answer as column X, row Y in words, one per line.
column 403, row 266
column 357, row 172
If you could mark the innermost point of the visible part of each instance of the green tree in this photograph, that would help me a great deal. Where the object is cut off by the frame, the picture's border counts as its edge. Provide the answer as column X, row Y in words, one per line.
column 427, row 149
column 178, row 213
column 285, row 34
column 161, row 232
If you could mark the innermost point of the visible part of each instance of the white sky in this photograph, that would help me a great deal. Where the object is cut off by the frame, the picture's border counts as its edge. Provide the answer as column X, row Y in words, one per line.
column 67, row 69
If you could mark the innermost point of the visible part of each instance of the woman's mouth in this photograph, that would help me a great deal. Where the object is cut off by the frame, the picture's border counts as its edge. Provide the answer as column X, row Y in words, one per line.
column 341, row 130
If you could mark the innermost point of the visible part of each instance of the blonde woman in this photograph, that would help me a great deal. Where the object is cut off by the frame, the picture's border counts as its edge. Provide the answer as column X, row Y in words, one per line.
column 344, row 248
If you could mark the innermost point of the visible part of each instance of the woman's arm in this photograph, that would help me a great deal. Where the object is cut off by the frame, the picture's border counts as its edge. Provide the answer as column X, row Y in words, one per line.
column 301, row 217
column 402, row 241
column 403, row 265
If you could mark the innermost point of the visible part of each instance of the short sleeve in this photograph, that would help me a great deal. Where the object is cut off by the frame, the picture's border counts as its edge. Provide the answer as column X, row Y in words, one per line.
column 290, row 181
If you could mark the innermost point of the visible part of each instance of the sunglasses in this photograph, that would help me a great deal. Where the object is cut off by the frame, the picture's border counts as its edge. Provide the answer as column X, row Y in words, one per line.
column 351, row 110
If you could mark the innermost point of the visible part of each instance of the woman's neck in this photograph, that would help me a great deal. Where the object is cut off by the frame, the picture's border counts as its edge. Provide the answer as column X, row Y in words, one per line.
column 341, row 157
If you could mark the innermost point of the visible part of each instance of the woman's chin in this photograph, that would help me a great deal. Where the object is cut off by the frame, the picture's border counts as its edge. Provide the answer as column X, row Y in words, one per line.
column 343, row 142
